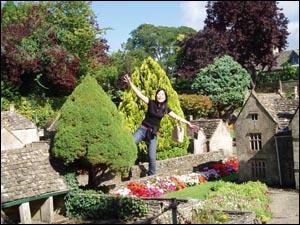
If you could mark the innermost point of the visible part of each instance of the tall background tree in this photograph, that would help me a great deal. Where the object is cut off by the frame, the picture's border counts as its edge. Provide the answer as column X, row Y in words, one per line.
column 158, row 42
column 80, row 33
column 251, row 31
column 148, row 79
column 31, row 57
column 90, row 132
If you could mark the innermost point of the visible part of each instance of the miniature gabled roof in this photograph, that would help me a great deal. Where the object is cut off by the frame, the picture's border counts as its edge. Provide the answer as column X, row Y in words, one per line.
column 53, row 125
column 279, row 108
column 282, row 108
column 27, row 172
column 15, row 121
column 284, row 57
column 281, row 58
column 209, row 126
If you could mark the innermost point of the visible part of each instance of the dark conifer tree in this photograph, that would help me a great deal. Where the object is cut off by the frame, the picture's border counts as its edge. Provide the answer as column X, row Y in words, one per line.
column 90, row 132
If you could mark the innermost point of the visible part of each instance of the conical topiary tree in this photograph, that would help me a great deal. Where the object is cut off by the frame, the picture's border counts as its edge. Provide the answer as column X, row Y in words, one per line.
column 90, row 131
column 148, row 79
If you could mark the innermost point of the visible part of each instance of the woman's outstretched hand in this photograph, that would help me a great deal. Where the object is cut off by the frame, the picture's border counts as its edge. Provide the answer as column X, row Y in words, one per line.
column 126, row 78
column 194, row 127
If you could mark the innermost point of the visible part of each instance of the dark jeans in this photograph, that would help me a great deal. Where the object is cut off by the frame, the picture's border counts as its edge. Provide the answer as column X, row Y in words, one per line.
column 140, row 135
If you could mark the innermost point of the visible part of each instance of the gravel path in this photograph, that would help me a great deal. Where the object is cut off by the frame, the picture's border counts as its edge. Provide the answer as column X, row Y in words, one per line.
column 284, row 206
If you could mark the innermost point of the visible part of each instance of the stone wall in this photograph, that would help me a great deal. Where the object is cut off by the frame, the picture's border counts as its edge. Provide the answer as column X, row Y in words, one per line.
column 289, row 86
column 174, row 166
column 178, row 165
column 28, row 172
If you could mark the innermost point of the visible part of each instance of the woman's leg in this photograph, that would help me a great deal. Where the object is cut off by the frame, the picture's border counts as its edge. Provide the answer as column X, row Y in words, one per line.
column 152, row 155
column 139, row 135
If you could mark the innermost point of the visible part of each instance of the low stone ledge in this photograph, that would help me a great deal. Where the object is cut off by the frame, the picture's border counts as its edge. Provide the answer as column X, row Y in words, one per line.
column 161, row 211
column 175, row 166
column 178, row 165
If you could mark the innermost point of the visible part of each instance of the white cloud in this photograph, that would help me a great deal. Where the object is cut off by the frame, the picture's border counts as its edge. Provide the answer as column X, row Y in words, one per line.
column 291, row 10
column 194, row 14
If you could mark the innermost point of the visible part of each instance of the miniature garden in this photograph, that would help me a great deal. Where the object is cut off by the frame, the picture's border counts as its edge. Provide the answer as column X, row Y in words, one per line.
column 214, row 186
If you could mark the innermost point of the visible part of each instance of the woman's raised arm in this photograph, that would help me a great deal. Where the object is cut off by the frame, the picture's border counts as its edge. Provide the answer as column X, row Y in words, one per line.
column 135, row 89
column 189, row 124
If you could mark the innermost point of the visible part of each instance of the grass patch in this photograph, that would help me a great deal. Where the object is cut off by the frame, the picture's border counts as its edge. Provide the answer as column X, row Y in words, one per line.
column 199, row 191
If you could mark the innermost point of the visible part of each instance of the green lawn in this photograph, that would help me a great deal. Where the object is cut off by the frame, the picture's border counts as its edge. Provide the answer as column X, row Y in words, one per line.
column 199, row 191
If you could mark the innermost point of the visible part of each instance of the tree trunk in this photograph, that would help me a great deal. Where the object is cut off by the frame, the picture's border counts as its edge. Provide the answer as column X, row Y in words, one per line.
column 253, row 74
column 92, row 176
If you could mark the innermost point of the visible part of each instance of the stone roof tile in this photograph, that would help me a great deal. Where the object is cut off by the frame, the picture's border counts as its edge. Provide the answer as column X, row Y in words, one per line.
column 282, row 109
column 15, row 121
column 28, row 172
column 209, row 126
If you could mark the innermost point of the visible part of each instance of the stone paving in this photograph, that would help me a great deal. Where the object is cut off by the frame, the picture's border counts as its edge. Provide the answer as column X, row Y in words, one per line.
column 284, row 206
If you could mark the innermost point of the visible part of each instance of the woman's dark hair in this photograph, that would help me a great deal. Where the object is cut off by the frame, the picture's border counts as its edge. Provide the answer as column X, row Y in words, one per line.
column 164, row 105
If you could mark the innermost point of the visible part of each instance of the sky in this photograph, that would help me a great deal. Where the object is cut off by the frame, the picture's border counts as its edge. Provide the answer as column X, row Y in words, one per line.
column 125, row 16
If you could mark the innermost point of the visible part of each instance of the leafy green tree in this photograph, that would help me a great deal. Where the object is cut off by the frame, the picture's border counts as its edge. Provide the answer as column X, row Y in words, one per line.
column 148, row 79
column 225, row 82
column 125, row 62
column 80, row 32
column 159, row 42
column 50, row 46
column 90, row 131
column 12, row 13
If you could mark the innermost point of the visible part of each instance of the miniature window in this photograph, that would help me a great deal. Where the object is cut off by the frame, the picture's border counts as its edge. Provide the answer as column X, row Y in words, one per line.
column 254, row 116
column 294, row 60
column 258, row 168
column 255, row 141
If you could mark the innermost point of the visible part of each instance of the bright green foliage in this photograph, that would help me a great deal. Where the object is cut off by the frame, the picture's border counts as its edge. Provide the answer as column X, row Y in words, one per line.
column 80, row 33
column 148, row 79
column 225, row 82
column 40, row 112
column 14, row 11
column 9, row 94
column 223, row 195
column 90, row 129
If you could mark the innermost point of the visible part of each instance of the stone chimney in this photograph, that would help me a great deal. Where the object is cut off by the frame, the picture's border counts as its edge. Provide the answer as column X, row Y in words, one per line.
column 275, row 51
column 296, row 92
column 11, row 107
